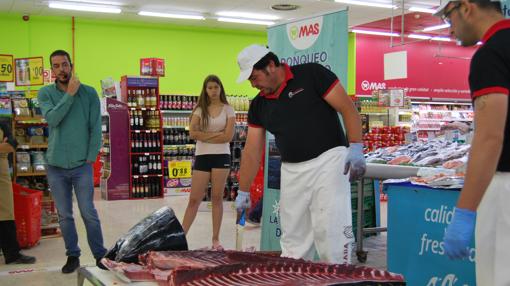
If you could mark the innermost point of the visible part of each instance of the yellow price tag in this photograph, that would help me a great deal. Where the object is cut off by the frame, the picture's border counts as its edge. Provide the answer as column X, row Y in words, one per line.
column 179, row 169
column 29, row 71
column 6, row 68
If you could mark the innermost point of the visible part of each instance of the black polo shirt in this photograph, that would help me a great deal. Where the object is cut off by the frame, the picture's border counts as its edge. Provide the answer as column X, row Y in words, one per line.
column 303, row 123
column 490, row 73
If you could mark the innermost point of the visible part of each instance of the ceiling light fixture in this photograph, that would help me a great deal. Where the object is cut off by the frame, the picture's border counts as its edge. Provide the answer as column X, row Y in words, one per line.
column 441, row 39
column 285, row 7
column 423, row 10
column 171, row 15
column 369, row 4
column 85, row 7
column 376, row 33
column 418, row 36
column 96, row 2
column 438, row 27
column 255, row 16
column 246, row 21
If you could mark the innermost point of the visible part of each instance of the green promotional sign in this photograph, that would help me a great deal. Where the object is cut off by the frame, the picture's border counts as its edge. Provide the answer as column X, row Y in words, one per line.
column 320, row 39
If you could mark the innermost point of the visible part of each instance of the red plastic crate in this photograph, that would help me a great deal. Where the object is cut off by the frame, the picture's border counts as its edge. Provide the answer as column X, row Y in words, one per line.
column 27, row 213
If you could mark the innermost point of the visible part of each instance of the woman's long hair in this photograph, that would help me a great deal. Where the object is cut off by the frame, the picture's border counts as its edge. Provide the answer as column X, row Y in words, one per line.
column 204, row 101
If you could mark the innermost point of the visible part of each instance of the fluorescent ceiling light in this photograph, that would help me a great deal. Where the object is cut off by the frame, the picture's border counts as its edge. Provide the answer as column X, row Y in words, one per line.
column 96, row 2
column 171, row 15
column 438, row 27
column 418, row 36
column 84, row 7
column 245, row 21
column 369, row 4
column 423, row 10
column 247, row 15
column 376, row 33
column 441, row 39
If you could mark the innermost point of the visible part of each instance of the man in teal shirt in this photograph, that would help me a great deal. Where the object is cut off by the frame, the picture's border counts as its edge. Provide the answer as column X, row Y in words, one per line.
column 72, row 111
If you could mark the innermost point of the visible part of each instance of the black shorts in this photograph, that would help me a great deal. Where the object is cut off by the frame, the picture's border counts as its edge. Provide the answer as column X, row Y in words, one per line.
column 212, row 161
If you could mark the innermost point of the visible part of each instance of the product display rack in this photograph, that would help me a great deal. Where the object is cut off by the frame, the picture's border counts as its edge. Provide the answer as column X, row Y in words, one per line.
column 429, row 117
column 179, row 148
column 145, row 142
column 29, row 165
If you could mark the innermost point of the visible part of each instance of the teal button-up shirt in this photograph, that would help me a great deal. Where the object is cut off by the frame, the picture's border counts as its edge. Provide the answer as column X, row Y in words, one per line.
column 74, row 125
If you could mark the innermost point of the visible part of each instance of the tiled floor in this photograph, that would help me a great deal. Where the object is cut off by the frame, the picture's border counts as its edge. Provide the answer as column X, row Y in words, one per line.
column 118, row 216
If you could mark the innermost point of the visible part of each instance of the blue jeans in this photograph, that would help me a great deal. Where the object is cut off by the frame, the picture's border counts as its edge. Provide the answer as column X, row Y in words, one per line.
column 62, row 182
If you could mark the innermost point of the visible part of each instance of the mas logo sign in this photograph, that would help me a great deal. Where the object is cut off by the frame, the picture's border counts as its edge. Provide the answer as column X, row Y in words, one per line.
column 303, row 34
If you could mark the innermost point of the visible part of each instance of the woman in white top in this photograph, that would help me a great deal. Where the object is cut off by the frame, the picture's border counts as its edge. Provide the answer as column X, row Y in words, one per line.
column 212, row 126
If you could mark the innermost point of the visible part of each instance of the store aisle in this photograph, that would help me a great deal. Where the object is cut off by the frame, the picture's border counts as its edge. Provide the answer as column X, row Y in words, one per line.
column 118, row 216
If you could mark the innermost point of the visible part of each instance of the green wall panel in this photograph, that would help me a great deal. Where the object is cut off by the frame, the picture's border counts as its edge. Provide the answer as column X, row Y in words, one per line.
column 106, row 48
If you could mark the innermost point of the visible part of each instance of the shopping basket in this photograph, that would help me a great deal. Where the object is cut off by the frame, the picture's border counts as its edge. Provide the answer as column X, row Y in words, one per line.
column 27, row 213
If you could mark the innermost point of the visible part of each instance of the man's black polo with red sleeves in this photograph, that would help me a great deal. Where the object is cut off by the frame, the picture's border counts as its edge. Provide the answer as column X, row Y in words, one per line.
column 303, row 123
column 490, row 73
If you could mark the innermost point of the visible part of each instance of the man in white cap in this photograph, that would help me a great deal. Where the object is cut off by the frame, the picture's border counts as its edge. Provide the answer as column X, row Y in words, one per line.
column 300, row 106
column 486, row 191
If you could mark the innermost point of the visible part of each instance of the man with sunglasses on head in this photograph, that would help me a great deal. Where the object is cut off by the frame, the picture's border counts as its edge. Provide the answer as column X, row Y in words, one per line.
column 486, row 193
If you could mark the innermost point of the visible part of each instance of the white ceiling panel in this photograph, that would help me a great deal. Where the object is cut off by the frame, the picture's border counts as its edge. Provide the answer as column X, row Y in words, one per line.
column 357, row 14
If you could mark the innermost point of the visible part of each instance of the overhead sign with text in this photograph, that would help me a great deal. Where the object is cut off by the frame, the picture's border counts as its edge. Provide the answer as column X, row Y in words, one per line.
column 437, row 70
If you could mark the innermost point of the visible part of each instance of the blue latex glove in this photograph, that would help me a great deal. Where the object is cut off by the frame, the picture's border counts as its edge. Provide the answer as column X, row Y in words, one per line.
column 242, row 200
column 355, row 162
column 459, row 234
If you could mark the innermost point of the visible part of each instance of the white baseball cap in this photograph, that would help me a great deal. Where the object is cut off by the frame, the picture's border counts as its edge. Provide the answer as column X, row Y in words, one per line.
column 249, row 57
column 440, row 11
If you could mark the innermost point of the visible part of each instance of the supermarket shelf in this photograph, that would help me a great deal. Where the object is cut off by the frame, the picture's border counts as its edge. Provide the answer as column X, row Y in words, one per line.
column 31, row 174
column 166, row 111
column 32, row 146
column 177, row 145
column 440, row 103
column 146, row 131
column 176, row 127
column 29, row 118
column 427, row 129
column 143, row 108
column 444, row 120
column 146, row 153
column 147, row 176
column 241, row 111
column 375, row 113
column 449, row 111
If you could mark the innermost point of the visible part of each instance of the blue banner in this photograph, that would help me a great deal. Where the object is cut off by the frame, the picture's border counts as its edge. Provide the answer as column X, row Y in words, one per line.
column 417, row 219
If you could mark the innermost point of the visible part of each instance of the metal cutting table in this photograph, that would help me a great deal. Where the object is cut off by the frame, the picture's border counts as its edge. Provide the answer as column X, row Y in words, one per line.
column 376, row 171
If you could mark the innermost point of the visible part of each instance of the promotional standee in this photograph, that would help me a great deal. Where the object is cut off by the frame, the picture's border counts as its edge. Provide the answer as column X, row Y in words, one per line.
column 115, row 174
column 417, row 219
column 323, row 40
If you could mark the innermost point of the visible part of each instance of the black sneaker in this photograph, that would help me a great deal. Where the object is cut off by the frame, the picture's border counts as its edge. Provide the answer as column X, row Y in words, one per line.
column 23, row 259
column 72, row 264
column 99, row 264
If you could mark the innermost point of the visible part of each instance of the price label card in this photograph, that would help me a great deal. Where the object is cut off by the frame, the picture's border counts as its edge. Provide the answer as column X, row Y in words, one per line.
column 179, row 169
column 29, row 71
column 6, row 68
